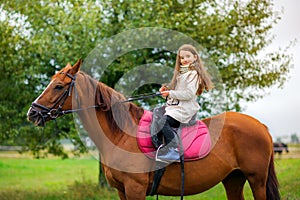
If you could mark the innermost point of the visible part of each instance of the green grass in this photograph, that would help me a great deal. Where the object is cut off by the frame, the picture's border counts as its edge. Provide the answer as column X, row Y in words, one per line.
column 49, row 179
column 288, row 173
column 47, row 174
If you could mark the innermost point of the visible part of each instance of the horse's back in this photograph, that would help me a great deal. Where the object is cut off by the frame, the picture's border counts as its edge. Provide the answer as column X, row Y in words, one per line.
column 235, row 122
column 242, row 133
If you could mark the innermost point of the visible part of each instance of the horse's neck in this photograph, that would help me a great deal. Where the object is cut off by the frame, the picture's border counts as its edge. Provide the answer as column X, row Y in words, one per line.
column 92, row 127
column 110, row 128
column 113, row 131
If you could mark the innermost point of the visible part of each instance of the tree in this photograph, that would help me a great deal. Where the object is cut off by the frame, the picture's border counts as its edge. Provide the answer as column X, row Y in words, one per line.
column 40, row 37
column 37, row 39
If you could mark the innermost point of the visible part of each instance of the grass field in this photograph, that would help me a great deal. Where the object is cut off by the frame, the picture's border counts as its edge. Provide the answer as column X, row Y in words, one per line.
column 49, row 179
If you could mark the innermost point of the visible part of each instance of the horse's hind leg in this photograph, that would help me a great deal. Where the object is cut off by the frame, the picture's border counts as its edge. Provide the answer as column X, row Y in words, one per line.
column 234, row 184
column 258, row 186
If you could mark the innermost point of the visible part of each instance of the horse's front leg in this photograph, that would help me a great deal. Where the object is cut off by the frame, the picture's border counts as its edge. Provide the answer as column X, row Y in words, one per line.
column 135, row 189
column 132, row 192
column 122, row 195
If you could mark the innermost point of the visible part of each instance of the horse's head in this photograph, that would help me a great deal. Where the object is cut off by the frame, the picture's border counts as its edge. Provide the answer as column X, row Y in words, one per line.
column 56, row 98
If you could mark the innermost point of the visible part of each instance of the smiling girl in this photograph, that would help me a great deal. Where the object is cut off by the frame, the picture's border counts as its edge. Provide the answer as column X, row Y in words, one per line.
column 190, row 79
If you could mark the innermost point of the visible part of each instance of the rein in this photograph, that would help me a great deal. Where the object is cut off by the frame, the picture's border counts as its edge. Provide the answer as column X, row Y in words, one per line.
column 56, row 111
column 144, row 96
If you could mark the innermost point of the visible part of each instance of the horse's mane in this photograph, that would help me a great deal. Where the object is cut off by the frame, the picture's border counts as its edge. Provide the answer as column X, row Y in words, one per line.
column 120, row 116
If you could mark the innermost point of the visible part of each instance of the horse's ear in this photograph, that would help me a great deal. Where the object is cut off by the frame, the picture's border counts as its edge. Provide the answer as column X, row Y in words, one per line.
column 76, row 67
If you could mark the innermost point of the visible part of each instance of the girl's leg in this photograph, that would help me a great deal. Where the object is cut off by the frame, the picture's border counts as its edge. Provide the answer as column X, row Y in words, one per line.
column 170, row 152
column 167, row 129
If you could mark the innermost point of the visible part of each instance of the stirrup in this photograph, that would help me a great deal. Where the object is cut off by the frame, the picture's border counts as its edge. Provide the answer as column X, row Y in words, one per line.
column 156, row 155
column 168, row 155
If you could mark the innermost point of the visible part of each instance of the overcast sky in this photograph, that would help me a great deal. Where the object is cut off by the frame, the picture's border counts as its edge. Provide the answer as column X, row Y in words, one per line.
column 280, row 110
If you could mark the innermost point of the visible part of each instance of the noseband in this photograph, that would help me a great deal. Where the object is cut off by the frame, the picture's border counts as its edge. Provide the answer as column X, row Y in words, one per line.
column 56, row 110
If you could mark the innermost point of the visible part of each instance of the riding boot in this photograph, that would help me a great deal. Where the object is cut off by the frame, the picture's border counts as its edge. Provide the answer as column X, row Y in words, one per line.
column 168, row 154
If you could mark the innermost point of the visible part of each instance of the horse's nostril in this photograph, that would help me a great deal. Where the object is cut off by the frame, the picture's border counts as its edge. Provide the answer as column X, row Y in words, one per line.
column 32, row 114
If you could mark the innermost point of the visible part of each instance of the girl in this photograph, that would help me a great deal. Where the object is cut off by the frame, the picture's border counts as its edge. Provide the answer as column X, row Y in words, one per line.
column 190, row 79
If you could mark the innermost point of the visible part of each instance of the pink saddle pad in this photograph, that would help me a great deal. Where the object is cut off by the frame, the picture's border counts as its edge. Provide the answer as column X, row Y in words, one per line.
column 195, row 139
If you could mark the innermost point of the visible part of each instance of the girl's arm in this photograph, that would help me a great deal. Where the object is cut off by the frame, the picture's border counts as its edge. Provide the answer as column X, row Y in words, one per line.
column 189, row 91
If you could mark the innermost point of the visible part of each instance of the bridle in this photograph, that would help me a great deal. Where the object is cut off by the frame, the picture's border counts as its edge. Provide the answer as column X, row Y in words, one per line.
column 56, row 110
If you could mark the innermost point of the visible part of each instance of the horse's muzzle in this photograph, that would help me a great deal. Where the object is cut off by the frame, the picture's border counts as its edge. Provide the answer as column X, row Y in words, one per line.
column 37, row 116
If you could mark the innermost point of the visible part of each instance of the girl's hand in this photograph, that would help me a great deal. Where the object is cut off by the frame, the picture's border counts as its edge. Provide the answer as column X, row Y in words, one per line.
column 162, row 89
column 164, row 93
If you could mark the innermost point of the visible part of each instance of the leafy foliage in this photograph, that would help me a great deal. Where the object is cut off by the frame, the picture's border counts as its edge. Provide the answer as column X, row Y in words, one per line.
column 38, row 38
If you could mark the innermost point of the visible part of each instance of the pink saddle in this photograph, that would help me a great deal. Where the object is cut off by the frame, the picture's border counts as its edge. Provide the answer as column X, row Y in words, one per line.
column 195, row 139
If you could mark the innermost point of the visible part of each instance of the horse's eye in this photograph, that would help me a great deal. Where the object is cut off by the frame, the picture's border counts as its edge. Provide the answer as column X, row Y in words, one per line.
column 58, row 87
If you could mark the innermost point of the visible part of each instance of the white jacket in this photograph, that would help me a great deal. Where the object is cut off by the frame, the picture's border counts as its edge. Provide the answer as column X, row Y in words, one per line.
column 182, row 102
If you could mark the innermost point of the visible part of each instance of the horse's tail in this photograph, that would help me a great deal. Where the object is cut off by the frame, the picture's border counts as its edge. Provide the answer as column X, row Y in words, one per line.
column 272, row 182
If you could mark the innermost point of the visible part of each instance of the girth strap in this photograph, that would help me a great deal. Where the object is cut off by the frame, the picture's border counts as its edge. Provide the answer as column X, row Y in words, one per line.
column 160, row 169
column 158, row 173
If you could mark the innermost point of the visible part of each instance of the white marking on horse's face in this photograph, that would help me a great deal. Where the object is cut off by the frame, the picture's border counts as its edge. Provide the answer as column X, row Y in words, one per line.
column 35, row 101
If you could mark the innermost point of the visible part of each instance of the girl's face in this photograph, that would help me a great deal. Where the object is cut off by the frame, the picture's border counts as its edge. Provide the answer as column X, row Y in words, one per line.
column 186, row 57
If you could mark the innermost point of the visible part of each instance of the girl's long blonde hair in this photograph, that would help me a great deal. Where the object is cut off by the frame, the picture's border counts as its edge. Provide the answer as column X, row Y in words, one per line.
column 205, row 82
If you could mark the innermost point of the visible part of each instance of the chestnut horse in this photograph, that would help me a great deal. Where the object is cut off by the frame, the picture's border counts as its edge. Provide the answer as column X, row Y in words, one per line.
column 243, row 151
